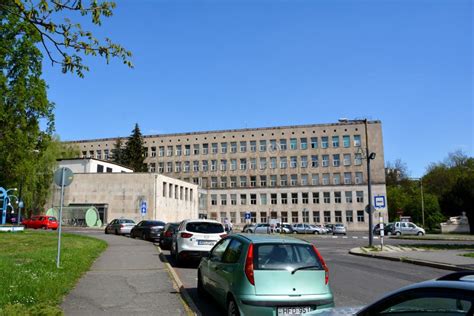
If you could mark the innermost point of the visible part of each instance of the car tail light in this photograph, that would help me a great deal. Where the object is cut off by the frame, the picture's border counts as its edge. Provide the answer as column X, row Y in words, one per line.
column 223, row 235
column 325, row 267
column 186, row 235
column 249, row 265
column 122, row 225
column 168, row 234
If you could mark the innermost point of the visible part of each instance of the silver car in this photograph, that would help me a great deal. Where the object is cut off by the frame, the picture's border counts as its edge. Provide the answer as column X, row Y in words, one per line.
column 307, row 229
column 120, row 226
column 339, row 229
column 407, row 228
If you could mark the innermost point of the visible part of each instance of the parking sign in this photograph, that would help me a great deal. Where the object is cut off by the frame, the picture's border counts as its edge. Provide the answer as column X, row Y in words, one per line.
column 143, row 208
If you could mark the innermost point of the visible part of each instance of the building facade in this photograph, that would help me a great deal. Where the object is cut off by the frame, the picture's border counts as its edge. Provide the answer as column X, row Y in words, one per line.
column 306, row 173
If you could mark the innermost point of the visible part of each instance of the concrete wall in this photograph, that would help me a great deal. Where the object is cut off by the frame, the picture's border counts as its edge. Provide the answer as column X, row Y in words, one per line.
column 88, row 165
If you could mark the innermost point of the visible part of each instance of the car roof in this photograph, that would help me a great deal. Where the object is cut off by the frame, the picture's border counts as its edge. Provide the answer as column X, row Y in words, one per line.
column 262, row 239
column 201, row 221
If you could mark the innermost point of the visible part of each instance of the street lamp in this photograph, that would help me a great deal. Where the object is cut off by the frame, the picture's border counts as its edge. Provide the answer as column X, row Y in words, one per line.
column 422, row 200
column 368, row 156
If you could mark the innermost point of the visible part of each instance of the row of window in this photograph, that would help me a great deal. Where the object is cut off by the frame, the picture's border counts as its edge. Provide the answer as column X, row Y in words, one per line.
column 253, row 146
column 252, row 163
column 294, row 217
column 177, row 192
column 336, row 197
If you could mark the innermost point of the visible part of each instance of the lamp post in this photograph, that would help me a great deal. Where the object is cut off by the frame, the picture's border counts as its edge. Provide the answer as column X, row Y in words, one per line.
column 422, row 200
column 6, row 200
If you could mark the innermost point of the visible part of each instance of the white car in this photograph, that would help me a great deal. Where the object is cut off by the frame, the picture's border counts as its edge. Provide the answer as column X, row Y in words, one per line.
column 195, row 238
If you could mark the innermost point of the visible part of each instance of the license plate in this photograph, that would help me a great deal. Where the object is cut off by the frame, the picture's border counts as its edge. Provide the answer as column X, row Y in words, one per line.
column 206, row 242
column 294, row 310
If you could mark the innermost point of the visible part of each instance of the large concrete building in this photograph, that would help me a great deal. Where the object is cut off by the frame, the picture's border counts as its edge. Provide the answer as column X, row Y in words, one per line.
column 306, row 173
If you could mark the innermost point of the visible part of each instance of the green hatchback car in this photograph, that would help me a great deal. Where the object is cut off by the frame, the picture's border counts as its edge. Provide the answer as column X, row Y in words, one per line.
column 265, row 275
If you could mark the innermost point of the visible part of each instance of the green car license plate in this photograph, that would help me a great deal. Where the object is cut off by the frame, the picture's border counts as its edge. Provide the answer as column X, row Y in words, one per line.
column 293, row 310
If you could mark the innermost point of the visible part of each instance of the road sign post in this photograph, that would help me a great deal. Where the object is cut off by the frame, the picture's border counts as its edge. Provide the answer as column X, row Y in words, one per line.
column 143, row 208
column 62, row 177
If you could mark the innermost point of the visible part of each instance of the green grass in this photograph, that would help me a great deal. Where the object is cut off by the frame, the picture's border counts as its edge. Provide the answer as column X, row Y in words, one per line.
column 469, row 254
column 30, row 283
column 441, row 246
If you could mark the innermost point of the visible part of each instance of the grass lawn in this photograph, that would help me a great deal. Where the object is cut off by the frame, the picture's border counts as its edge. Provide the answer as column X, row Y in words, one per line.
column 470, row 255
column 30, row 283
column 441, row 246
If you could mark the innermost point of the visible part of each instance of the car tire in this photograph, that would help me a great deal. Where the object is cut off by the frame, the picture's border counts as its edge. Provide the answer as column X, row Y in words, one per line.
column 106, row 232
column 116, row 232
column 144, row 236
column 398, row 233
column 420, row 234
column 232, row 308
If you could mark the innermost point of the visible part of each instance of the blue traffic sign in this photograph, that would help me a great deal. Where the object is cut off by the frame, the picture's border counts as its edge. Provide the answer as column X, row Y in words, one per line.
column 143, row 208
column 379, row 201
column 247, row 215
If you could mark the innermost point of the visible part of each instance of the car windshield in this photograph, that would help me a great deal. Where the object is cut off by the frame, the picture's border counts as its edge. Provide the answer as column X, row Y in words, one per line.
column 126, row 221
column 285, row 257
column 205, row 227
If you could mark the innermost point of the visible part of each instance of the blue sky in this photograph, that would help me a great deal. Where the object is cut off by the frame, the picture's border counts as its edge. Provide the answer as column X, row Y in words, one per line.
column 206, row 65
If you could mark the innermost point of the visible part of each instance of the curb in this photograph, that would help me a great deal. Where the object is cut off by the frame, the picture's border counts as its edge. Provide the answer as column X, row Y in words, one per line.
column 190, row 307
column 430, row 264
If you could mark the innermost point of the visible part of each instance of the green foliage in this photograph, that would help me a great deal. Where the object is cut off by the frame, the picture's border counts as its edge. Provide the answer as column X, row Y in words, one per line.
column 64, row 41
column 33, row 282
column 118, row 152
column 134, row 153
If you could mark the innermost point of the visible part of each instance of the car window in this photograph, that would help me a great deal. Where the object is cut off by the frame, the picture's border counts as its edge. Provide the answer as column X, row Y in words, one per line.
column 218, row 251
column 411, row 225
column 205, row 227
column 153, row 223
column 52, row 219
column 233, row 252
column 429, row 304
column 283, row 256
column 127, row 221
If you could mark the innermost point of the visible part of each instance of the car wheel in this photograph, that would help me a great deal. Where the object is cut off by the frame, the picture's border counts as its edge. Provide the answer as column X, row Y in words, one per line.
column 232, row 308
column 398, row 233
column 116, row 232
column 420, row 234
column 106, row 231
column 200, row 287
column 144, row 236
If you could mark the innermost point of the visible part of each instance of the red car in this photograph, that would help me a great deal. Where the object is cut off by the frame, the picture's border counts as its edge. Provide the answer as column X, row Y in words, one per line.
column 41, row 221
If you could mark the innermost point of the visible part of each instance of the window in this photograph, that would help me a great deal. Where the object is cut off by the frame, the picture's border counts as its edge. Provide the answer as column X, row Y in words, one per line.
column 304, row 179
column 223, row 182
column 243, row 181
column 284, row 198
column 294, row 198
column 263, row 198
column 223, row 199
column 196, row 149
column 338, row 216
column 305, row 216
column 213, row 199
column 233, row 200
column 161, row 151
column 187, row 150
column 223, row 165
column 233, row 182
column 213, row 182
column 358, row 178
column 316, row 218
column 347, row 159
column 283, row 145
column 335, row 141
column 273, row 144
column 106, row 154
column 349, row 217
column 346, row 140
column 293, row 161
column 223, row 148
column 336, row 178
column 325, row 178
column 205, row 166
column 233, row 147
column 263, row 145
column 243, row 164
column 169, row 167
column 273, row 180
column 253, row 181
column 315, row 197
column 263, row 181
column 327, row 216
column 324, row 142
column 356, row 140
column 358, row 159
column 99, row 154
column 263, row 217
column 326, row 197
column 360, row 196
column 347, row 178
column 195, row 166
column 283, row 162
column 253, row 199
column 243, row 146
column 305, row 198
column 360, row 216
column 214, row 148
column 293, row 144
column 283, row 180
column 337, row 197
column 304, row 161
column 315, row 179
column 263, row 163
column 205, row 149
column 294, row 217
column 253, row 146
column 213, row 165
column 348, row 195
column 161, row 167
column 314, row 161
column 253, row 163
column 233, row 164
column 294, row 180
column 152, row 167
column 304, row 143
column 273, row 198
column 273, row 162
column 314, row 142
column 243, row 199
column 336, row 160
column 325, row 160
column 204, row 182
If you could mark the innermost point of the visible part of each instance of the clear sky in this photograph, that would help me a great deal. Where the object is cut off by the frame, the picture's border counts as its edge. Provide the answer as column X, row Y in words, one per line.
column 206, row 65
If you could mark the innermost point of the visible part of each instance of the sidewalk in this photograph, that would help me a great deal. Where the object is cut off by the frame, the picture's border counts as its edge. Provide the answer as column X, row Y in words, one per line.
column 441, row 259
column 128, row 279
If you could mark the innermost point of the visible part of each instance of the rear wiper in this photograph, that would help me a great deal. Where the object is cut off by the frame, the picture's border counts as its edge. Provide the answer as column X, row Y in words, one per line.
column 304, row 268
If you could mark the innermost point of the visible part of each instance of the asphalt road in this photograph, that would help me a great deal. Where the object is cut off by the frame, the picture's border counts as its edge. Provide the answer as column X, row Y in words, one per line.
column 354, row 280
